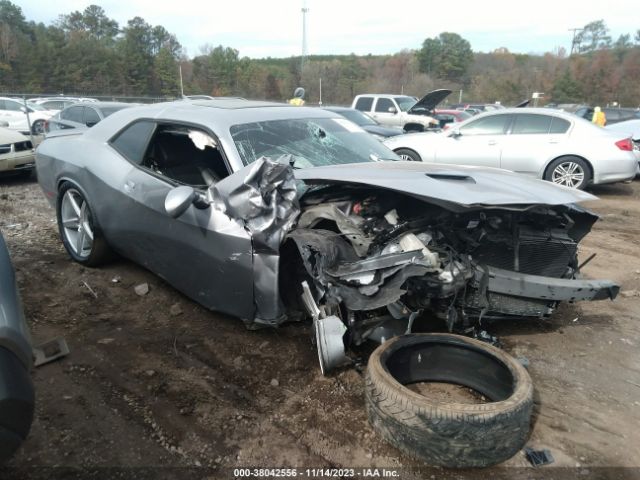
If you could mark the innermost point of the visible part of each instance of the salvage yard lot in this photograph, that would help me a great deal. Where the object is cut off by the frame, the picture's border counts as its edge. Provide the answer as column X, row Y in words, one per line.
column 156, row 380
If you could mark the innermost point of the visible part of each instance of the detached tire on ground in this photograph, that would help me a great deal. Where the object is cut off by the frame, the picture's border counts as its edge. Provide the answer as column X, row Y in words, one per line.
column 449, row 434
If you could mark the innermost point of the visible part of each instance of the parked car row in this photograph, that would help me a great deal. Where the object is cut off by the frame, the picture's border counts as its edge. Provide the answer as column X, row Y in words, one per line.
column 29, row 118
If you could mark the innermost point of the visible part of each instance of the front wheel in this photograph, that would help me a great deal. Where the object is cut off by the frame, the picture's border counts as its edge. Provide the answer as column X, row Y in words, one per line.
column 37, row 127
column 409, row 155
column 83, row 242
column 572, row 172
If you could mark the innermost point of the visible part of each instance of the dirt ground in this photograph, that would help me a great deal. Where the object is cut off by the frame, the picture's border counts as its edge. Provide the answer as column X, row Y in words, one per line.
column 156, row 380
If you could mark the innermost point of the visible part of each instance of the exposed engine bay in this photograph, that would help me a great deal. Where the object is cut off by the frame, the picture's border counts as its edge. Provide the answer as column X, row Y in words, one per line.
column 378, row 259
column 366, row 261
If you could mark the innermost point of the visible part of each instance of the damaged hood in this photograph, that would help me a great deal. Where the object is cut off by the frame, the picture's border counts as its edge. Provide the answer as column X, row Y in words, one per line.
column 448, row 185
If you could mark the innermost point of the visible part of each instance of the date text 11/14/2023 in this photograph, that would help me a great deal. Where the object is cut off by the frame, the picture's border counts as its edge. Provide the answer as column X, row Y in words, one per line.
column 315, row 473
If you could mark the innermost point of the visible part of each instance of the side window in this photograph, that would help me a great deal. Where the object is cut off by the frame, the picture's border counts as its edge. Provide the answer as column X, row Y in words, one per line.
column 12, row 106
column 492, row 125
column 384, row 104
column 131, row 142
column 364, row 104
column 186, row 155
column 91, row 117
column 73, row 114
column 612, row 115
column 2, row 105
column 531, row 124
column 55, row 105
column 559, row 125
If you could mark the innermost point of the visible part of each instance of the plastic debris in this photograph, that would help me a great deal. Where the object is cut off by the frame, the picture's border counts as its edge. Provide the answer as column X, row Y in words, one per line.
column 537, row 458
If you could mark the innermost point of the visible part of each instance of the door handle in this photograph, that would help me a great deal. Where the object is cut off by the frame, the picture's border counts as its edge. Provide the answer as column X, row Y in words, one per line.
column 492, row 142
column 553, row 140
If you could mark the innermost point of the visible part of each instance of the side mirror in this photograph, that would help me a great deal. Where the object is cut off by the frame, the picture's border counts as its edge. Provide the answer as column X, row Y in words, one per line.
column 23, row 109
column 455, row 133
column 393, row 110
column 91, row 124
column 180, row 198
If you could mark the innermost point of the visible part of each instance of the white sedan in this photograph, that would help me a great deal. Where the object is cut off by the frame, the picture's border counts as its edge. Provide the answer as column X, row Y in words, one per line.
column 13, row 111
column 547, row 144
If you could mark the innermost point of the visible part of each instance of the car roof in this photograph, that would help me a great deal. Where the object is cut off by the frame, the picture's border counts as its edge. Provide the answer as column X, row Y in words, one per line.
column 340, row 109
column 103, row 104
column 385, row 95
column 215, row 114
column 537, row 110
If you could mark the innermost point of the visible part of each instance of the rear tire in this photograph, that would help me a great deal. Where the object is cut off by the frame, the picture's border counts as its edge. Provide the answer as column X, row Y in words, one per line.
column 78, row 230
column 570, row 171
column 408, row 155
column 449, row 434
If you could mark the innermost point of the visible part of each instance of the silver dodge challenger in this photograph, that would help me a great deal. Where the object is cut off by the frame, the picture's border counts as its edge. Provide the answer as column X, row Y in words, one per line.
column 273, row 213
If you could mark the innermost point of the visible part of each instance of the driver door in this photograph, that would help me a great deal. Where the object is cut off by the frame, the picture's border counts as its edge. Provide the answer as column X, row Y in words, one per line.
column 478, row 143
column 386, row 112
column 203, row 253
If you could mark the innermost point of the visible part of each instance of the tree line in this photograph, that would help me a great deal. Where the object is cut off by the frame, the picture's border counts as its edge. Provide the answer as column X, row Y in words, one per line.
column 88, row 53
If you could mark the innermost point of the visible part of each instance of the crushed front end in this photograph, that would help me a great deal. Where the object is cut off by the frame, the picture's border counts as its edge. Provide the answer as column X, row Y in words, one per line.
column 378, row 259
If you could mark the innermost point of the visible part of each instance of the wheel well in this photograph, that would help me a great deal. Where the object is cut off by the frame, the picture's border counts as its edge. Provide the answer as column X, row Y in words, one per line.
column 414, row 127
column 546, row 169
column 408, row 149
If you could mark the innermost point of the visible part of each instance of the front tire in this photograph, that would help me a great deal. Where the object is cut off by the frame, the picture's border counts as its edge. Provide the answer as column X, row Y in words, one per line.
column 449, row 434
column 572, row 172
column 82, row 240
column 37, row 127
column 408, row 155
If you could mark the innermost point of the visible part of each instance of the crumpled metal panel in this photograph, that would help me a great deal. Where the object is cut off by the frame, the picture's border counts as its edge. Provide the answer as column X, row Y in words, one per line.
column 329, row 260
column 347, row 224
column 263, row 196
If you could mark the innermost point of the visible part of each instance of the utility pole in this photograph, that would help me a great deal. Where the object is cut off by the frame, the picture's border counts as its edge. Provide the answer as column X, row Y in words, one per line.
column 304, row 10
column 575, row 45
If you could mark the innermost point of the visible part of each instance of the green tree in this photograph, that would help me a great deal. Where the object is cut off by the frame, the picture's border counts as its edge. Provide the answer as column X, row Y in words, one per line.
column 215, row 72
column 271, row 88
column 13, row 37
column 566, row 89
column 93, row 21
column 594, row 36
column 166, row 73
column 446, row 56
column 136, row 56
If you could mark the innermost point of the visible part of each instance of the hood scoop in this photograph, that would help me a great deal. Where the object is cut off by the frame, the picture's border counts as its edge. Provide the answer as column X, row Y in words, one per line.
column 450, row 176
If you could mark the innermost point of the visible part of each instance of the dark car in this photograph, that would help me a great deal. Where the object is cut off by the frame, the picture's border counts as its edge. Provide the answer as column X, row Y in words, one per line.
column 445, row 117
column 83, row 115
column 16, row 388
column 365, row 122
column 612, row 114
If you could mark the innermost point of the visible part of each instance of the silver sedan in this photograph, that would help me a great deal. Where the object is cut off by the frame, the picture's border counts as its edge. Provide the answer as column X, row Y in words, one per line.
column 542, row 143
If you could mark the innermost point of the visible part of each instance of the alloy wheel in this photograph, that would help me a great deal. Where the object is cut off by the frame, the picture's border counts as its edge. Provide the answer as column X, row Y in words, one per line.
column 569, row 174
column 76, row 223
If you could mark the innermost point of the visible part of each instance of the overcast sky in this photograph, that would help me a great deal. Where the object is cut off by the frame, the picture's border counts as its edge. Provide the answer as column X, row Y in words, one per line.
column 274, row 28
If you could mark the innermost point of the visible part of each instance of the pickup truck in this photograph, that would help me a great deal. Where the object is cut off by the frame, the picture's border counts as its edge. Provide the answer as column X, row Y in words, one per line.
column 401, row 110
